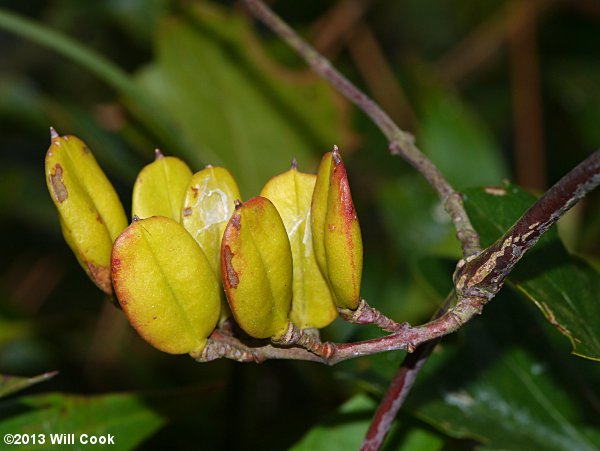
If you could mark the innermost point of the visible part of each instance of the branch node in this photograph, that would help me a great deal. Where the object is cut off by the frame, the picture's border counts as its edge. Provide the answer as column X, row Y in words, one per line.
column 217, row 349
column 365, row 314
column 306, row 339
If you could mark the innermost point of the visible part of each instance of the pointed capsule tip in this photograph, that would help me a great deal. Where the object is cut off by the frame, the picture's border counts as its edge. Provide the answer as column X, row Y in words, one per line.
column 237, row 203
column 336, row 155
column 208, row 166
column 53, row 133
column 294, row 163
column 158, row 154
column 136, row 218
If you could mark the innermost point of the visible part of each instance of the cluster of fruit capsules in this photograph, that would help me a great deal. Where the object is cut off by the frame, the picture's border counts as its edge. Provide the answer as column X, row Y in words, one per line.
column 194, row 254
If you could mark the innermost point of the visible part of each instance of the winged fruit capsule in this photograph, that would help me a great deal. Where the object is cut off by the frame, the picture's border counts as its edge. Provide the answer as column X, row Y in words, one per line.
column 208, row 204
column 90, row 213
column 336, row 232
column 160, row 187
column 256, row 269
column 291, row 193
column 165, row 285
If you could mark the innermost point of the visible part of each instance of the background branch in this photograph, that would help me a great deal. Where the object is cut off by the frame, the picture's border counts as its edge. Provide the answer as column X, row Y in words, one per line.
column 400, row 142
column 400, row 387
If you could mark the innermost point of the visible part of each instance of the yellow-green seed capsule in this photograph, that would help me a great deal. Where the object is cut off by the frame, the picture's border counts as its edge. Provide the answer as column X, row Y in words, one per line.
column 160, row 187
column 208, row 204
column 291, row 193
column 336, row 232
column 318, row 211
column 256, row 268
column 165, row 285
column 90, row 212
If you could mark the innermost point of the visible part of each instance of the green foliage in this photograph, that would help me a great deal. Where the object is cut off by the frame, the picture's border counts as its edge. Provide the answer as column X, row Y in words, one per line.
column 502, row 386
column 125, row 416
column 564, row 287
column 13, row 384
column 196, row 82
column 264, row 120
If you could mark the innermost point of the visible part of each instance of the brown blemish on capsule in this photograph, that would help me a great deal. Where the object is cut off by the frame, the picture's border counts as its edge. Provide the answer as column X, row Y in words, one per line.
column 58, row 187
column 195, row 189
column 187, row 211
column 101, row 276
column 232, row 277
column 99, row 218
column 115, row 264
column 236, row 221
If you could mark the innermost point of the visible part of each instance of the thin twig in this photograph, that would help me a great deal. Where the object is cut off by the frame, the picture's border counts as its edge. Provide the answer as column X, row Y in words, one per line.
column 400, row 387
column 365, row 314
column 400, row 142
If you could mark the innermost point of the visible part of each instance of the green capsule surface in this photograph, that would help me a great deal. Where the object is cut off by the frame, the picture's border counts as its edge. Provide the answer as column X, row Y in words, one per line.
column 159, row 188
column 256, row 269
column 90, row 213
column 312, row 303
column 165, row 285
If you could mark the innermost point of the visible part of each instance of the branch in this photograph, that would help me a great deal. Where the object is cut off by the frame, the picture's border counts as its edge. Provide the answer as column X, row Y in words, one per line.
column 477, row 280
column 400, row 142
column 400, row 387
column 365, row 314
column 483, row 275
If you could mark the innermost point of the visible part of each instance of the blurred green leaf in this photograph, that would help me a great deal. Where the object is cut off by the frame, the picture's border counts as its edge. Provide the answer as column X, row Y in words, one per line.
column 23, row 196
column 415, row 219
column 500, row 389
column 564, row 287
column 347, row 428
column 130, row 418
column 457, row 142
column 12, row 384
column 139, row 17
column 230, row 102
column 20, row 102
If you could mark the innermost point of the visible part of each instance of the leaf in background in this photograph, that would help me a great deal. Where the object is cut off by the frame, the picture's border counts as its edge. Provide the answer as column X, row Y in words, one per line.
column 229, row 101
column 12, row 384
column 459, row 144
column 125, row 416
column 416, row 220
column 347, row 428
column 562, row 286
column 503, row 387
